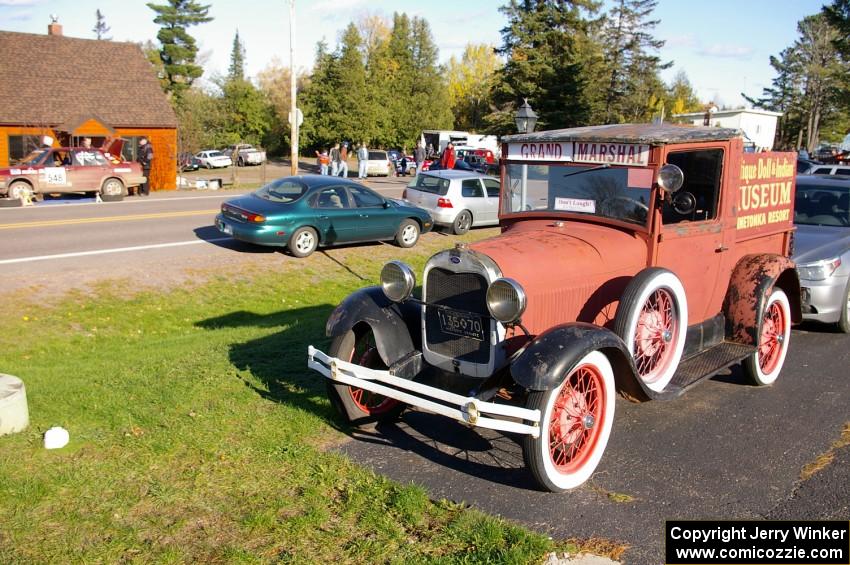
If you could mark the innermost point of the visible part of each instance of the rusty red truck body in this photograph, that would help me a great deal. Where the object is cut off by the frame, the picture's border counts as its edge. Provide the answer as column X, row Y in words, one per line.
column 632, row 259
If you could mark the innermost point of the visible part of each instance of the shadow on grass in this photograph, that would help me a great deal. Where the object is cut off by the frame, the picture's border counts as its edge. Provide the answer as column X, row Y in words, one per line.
column 279, row 361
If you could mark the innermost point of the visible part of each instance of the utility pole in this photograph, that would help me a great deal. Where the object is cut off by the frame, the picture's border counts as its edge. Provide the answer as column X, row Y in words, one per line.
column 293, row 135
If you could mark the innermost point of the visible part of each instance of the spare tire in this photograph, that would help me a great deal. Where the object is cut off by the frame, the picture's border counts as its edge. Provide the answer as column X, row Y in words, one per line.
column 14, row 415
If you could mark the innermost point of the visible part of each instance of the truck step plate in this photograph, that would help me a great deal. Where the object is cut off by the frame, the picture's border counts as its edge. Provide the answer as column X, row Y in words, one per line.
column 706, row 364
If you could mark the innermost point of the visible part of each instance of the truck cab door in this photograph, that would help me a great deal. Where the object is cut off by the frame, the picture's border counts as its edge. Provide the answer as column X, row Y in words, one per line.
column 693, row 241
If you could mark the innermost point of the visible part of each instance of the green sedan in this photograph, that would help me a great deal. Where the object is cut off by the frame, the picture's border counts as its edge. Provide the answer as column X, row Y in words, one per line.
column 307, row 211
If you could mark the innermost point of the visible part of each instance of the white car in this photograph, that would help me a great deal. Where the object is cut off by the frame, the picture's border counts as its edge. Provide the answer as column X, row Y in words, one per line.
column 379, row 164
column 456, row 199
column 213, row 159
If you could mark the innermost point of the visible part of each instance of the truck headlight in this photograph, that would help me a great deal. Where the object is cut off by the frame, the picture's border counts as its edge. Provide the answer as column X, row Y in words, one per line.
column 819, row 270
column 397, row 281
column 506, row 300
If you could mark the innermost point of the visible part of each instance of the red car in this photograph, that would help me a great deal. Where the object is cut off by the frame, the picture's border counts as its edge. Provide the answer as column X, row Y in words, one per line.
column 52, row 170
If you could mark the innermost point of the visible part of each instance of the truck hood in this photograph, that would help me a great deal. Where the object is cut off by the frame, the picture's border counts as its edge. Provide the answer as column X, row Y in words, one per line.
column 813, row 243
column 569, row 273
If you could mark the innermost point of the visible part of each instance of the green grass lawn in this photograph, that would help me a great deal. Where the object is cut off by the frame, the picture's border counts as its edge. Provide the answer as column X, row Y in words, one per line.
column 199, row 435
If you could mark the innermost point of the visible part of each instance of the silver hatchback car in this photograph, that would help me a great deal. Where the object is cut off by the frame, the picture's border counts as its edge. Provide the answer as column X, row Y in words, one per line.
column 456, row 199
column 822, row 248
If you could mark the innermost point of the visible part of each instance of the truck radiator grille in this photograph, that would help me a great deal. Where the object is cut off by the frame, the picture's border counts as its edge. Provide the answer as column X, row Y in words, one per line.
column 464, row 292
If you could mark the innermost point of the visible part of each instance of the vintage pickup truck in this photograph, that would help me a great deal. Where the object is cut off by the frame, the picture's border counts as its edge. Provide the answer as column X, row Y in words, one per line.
column 636, row 259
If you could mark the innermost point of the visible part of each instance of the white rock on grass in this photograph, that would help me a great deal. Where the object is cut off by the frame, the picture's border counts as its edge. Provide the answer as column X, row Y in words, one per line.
column 56, row 438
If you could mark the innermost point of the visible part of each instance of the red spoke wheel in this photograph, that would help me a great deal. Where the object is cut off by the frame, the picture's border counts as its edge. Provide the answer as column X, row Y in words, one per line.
column 359, row 406
column 774, row 331
column 652, row 320
column 577, row 417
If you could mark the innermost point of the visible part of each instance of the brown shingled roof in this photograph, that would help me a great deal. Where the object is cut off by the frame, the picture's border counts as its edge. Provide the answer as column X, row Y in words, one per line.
column 51, row 80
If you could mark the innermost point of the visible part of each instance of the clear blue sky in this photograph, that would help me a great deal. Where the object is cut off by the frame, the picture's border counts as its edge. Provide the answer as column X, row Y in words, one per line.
column 724, row 48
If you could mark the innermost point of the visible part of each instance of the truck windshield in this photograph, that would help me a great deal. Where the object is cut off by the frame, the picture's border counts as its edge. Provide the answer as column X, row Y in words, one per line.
column 611, row 192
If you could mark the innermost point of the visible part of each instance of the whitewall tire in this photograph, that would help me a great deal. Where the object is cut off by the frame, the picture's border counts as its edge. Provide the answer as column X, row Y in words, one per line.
column 652, row 320
column 763, row 367
column 576, row 423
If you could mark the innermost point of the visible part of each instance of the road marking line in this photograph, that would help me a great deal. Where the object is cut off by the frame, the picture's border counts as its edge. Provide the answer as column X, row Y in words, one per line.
column 151, row 216
column 90, row 202
column 115, row 250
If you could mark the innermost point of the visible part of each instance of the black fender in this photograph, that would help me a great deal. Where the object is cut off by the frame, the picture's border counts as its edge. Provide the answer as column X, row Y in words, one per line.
column 396, row 325
column 752, row 280
column 551, row 356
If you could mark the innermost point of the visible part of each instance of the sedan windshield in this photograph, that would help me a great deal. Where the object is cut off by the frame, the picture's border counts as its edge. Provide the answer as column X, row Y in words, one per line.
column 33, row 158
column 822, row 206
column 216, row 154
column 282, row 190
column 610, row 192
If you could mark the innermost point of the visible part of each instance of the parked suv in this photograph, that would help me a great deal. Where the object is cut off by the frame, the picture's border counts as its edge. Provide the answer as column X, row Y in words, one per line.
column 456, row 199
column 633, row 258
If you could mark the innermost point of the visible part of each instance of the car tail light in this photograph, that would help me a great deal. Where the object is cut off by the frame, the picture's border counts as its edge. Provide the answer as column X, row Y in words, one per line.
column 444, row 203
column 255, row 218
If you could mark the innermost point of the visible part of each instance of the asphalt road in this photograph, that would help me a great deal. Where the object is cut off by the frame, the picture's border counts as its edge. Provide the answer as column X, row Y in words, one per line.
column 74, row 242
column 724, row 450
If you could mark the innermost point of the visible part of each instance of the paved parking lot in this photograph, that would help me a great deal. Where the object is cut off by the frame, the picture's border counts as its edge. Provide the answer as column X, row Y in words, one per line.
column 724, row 450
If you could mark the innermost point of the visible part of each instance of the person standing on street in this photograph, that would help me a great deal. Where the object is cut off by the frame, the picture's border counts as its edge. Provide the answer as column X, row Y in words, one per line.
column 448, row 160
column 145, row 158
column 362, row 160
column 419, row 157
column 343, row 163
column 323, row 161
column 336, row 159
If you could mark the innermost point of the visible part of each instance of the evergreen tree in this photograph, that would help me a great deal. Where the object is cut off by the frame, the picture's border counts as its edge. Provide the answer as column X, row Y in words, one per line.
column 319, row 101
column 178, row 47
column 100, row 28
column 547, row 44
column 388, row 101
column 838, row 16
column 429, row 104
column 355, row 116
column 631, row 67
column 807, row 87
column 237, row 59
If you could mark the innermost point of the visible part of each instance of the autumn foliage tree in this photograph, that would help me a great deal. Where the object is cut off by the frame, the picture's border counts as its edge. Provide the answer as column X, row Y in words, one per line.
column 470, row 81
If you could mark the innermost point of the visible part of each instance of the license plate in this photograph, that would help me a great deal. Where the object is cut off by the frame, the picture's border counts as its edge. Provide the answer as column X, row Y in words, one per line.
column 462, row 324
column 225, row 228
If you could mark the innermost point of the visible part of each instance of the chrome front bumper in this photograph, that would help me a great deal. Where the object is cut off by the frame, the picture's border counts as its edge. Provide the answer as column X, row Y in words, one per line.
column 465, row 409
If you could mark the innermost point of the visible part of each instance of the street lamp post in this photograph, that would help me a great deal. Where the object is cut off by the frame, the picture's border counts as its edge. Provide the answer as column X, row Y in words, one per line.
column 525, row 119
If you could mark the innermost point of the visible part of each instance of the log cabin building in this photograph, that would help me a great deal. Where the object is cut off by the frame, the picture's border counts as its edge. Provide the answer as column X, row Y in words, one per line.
column 70, row 88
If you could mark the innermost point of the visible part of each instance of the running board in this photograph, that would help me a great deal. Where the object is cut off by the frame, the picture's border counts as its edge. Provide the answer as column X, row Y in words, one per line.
column 704, row 365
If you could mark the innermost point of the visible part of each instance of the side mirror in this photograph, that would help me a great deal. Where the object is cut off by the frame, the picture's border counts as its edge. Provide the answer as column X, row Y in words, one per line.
column 386, row 203
column 670, row 178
